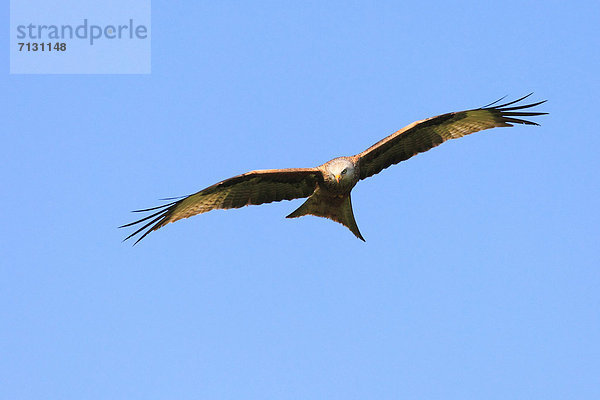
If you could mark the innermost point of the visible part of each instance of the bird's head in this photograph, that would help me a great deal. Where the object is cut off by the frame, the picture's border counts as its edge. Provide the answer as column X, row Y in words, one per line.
column 341, row 171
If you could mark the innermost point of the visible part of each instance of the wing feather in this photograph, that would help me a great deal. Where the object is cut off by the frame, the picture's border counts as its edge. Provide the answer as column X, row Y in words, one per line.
column 251, row 188
column 424, row 135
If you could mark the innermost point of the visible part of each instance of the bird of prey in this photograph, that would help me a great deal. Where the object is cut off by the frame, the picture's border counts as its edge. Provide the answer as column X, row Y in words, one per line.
column 328, row 186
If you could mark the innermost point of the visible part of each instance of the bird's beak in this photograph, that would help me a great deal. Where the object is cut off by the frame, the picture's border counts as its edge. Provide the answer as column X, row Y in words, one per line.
column 337, row 178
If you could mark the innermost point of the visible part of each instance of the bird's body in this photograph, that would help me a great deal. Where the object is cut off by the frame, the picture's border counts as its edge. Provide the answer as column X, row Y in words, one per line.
column 329, row 185
column 331, row 199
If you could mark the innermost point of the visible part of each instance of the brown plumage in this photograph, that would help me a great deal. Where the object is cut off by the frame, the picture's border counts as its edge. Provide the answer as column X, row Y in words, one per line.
column 328, row 186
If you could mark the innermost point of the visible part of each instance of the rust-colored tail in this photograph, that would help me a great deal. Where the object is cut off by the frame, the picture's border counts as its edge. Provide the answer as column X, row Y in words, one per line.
column 336, row 208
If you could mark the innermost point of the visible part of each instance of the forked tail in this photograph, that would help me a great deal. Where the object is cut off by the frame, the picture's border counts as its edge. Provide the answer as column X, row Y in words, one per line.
column 336, row 208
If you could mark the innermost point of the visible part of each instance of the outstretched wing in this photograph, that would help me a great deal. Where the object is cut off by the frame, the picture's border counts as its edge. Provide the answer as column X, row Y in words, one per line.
column 423, row 135
column 254, row 187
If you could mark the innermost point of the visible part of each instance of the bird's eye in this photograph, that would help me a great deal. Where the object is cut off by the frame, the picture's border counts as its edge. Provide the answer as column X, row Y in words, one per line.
column 344, row 171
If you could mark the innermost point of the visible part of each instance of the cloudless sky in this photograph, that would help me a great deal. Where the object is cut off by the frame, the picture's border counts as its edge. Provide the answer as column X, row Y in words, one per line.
column 480, row 276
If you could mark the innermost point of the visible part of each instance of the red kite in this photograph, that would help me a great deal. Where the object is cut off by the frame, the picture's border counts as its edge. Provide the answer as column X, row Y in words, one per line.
column 328, row 186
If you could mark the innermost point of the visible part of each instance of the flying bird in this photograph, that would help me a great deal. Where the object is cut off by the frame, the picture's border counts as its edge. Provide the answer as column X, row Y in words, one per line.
column 328, row 186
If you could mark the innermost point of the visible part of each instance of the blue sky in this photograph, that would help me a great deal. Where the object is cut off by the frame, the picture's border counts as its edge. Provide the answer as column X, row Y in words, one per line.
column 480, row 274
